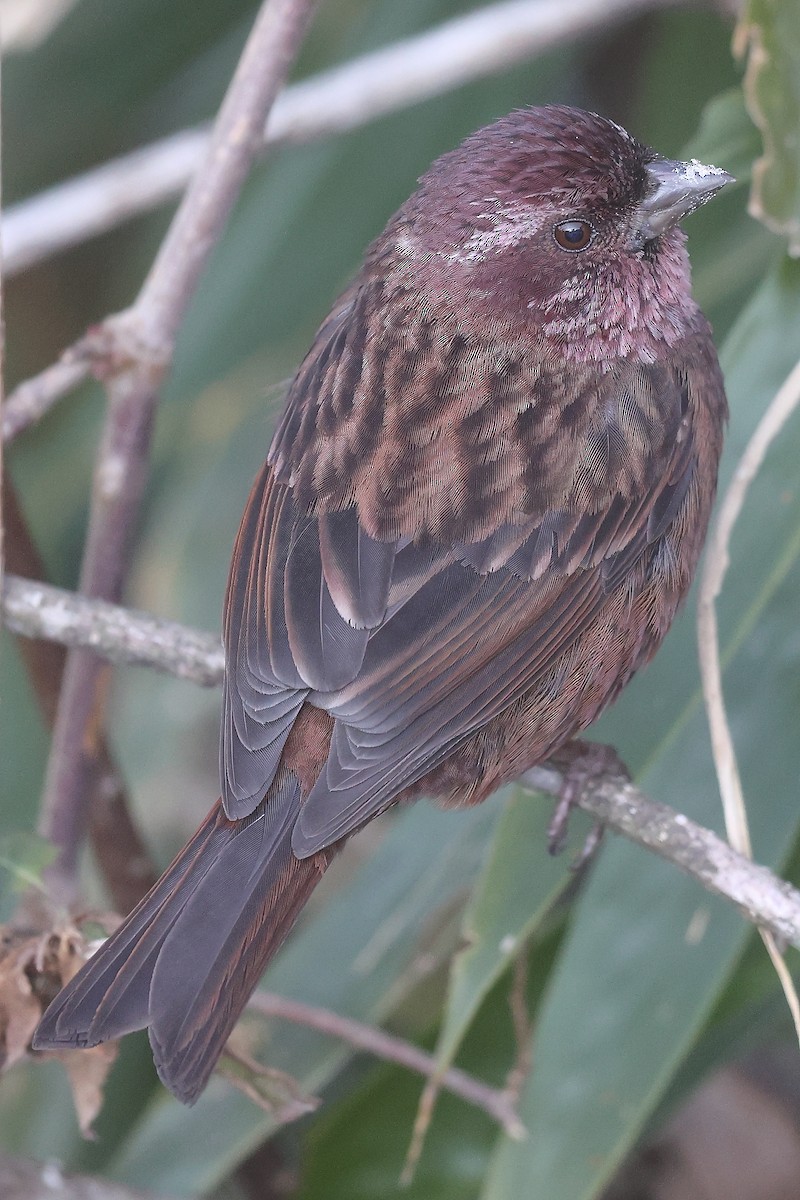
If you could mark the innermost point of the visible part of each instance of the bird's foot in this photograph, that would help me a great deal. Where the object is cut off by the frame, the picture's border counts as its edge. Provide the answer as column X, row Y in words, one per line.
column 580, row 763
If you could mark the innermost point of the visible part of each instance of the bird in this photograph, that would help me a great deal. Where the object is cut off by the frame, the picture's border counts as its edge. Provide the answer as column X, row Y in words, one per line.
column 482, row 506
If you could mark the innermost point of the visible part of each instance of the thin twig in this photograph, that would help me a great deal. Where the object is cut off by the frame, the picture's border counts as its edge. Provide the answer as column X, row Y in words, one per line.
column 33, row 398
column 717, row 560
column 391, row 1049
column 144, row 339
column 121, row 635
column 521, row 1021
column 336, row 101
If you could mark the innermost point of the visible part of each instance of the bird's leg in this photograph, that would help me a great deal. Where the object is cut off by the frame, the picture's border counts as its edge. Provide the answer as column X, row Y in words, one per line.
column 579, row 763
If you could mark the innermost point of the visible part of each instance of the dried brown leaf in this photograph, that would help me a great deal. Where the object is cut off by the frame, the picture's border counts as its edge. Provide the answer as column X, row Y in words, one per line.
column 33, row 969
column 87, row 1071
column 20, row 1009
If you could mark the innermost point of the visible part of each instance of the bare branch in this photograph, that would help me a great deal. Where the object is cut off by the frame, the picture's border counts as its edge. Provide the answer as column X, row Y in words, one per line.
column 33, row 398
column 336, row 101
column 764, row 899
column 392, row 1049
column 270, row 50
column 142, row 344
column 121, row 635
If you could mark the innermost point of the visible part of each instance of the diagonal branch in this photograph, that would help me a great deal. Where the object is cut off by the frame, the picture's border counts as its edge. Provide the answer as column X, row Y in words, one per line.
column 759, row 894
column 498, row 1104
column 469, row 47
column 33, row 398
column 142, row 343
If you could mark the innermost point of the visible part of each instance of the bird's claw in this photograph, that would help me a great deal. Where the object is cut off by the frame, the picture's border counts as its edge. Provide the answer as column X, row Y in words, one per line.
column 580, row 763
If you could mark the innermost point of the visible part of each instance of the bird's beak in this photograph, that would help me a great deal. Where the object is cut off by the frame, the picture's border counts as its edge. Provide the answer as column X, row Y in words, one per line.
column 675, row 189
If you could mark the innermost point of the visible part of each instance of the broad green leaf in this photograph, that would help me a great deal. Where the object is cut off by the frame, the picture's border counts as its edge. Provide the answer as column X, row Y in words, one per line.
column 516, row 889
column 728, row 249
column 357, row 1147
column 514, row 892
column 726, row 136
column 769, row 31
column 648, row 952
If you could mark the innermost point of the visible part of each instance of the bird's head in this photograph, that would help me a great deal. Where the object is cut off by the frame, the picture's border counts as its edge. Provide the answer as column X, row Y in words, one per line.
column 559, row 218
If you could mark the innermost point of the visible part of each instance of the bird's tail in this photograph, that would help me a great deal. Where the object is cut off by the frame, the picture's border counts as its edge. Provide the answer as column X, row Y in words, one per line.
column 186, row 960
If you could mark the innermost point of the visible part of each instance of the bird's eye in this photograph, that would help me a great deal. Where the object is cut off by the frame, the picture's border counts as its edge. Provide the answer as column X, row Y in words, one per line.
column 573, row 235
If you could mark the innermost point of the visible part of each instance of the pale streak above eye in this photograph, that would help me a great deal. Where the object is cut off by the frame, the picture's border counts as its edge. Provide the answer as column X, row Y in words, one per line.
column 508, row 225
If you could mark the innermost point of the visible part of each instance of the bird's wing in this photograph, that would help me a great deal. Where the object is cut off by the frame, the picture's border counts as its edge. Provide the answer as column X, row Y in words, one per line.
column 289, row 625
column 303, row 595
column 414, row 638
column 460, row 643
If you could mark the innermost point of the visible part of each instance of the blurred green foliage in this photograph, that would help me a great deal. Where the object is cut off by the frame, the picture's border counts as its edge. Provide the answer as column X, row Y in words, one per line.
column 628, row 1010
column 770, row 35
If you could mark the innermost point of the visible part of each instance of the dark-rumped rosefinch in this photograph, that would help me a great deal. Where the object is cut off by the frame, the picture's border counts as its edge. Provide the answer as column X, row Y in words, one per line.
column 482, row 506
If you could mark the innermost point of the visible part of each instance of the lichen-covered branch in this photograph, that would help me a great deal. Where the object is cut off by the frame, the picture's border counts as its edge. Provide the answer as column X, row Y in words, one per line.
column 120, row 635
column 613, row 800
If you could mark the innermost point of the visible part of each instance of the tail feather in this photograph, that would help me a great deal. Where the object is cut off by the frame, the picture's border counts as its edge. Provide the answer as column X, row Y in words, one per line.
column 187, row 958
column 109, row 997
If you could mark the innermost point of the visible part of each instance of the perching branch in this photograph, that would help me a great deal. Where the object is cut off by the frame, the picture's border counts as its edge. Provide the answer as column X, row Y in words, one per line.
column 496, row 1103
column 142, row 342
column 407, row 72
column 35, row 610
column 764, row 899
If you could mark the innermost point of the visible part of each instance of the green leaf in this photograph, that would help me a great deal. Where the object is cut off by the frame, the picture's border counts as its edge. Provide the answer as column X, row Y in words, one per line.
column 726, row 136
column 515, row 891
column 357, row 1148
column 770, row 32
column 648, row 952
column 729, row 249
